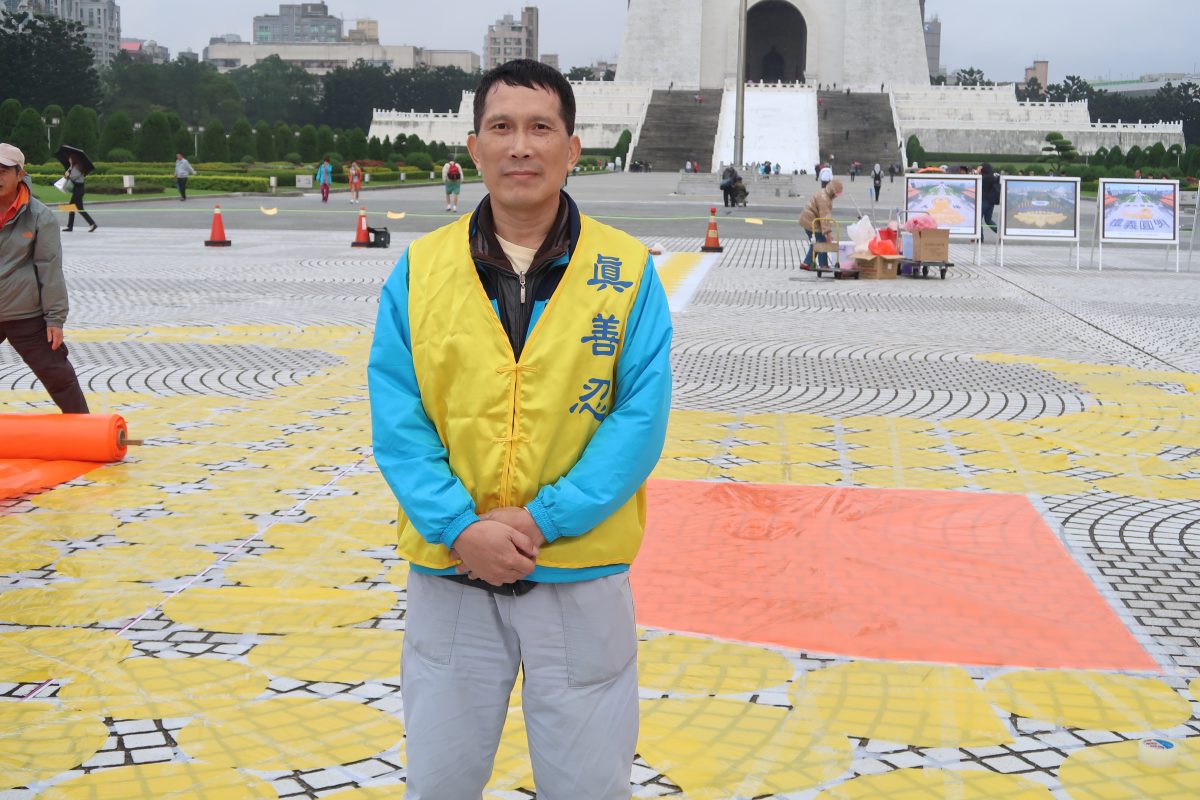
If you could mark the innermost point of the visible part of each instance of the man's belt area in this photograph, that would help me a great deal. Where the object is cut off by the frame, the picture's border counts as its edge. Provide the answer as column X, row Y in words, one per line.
column 515, row 589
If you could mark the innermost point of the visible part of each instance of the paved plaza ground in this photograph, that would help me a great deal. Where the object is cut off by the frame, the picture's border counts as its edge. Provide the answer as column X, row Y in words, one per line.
column 907, row 539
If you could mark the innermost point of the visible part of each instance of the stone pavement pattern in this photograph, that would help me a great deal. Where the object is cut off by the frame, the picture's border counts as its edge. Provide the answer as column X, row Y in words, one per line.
column 247, row 547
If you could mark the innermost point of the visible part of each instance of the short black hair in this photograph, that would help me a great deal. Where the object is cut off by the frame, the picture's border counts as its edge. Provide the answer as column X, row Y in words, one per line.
column 532, row 75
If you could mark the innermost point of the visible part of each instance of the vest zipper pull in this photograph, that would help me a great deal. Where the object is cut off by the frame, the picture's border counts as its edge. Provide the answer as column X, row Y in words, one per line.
column 522, row 277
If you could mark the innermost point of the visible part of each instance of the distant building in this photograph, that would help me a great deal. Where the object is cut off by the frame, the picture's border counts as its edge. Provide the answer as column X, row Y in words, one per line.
column 550, row 60
column 509, row 39
column 602, row 68
column 298, row 22
column 933, row 46
column 188, row 55
column 1039, row 70
column 365, row 31
column 1146, row 85
column 321, row 58
column 145, row 51
column 101, row 20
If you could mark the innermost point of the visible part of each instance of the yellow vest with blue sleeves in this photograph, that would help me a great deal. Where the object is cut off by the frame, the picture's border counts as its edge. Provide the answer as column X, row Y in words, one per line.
column 511, row 427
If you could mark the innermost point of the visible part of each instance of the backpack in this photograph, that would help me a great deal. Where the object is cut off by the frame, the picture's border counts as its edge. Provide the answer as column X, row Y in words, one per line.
column 454, row 173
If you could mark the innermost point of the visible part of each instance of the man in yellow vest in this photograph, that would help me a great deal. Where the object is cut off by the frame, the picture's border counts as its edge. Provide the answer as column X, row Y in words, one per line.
column 520, row 385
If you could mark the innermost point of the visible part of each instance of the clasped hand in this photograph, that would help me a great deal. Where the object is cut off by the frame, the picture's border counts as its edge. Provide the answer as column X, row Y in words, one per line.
column 500, row 548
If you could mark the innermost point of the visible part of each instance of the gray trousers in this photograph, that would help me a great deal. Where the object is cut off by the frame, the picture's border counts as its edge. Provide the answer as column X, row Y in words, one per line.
column 577, row 645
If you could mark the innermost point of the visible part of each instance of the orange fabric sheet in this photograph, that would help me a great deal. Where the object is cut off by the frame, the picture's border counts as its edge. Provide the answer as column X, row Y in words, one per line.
column 20, row 476
column 947, row 577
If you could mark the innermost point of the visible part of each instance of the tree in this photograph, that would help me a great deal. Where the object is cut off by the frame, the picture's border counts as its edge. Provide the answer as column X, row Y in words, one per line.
column 306, row 145
column 1156, row 156
column 46, row 60
column 195, row 90
column 622, row 148
column 913, row 148
column 1134, row 158
column 79, row 130
column 50, row 113
column 10, row 110
column 326, row 142
column 264, row 141
column 185, row 143
column 285, row 139
column 350, row 94
column 29, row 134
column 241, row 140
column 1031, row 91
column 1062, row 150
column 1115, row 157
column 213, row 147
column 274, row 89
column 972, row 76
column 156, row 142
column 356, row 145
column 579, row 74
column 118, row 132
column 1071, row 90
column 375, row 149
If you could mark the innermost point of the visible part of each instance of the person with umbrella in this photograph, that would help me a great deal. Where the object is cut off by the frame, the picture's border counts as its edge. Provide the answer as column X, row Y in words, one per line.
column 78, row 166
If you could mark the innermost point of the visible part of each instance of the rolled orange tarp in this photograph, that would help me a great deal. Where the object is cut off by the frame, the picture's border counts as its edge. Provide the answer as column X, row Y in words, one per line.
column 63, row 437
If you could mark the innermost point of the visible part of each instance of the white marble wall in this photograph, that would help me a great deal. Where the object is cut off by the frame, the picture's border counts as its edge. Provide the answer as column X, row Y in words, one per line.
column 693, row 43
column 603, row 109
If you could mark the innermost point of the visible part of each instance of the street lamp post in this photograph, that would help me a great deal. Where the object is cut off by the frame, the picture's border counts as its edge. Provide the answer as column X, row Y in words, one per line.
column 195, row 131
column 739, row 125
column 51, row 124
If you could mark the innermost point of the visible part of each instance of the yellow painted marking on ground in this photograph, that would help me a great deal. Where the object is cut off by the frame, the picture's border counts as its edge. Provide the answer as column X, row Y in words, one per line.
column 247, row 610
column 291, row 733
column 76, row 603
column 190, row 779
column 937, row 784
column 1090, row 700
column 914, row 704
column 715, row 748
column 1114, row 772
column 686, row 664
column 39, row 654
column 158, row 688
column 137, row 562
column 676, row 269
column 288, row 570
column 40, row 740
column 343, row 656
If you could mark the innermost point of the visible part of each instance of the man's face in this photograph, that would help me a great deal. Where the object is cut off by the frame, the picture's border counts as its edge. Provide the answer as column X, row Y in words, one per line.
column 10, row 178
column 522, row 147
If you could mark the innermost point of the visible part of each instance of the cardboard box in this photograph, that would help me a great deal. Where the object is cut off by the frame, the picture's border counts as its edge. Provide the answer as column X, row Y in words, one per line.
column 931, row 245
column 878, row 268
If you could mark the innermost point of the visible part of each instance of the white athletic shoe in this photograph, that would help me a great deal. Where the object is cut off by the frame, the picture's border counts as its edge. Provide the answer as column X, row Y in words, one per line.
column 455, row 209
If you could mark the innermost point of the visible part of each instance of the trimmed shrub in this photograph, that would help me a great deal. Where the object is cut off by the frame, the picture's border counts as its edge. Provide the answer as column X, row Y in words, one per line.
column 118, row 155
column 422, row 161
column 293, row 158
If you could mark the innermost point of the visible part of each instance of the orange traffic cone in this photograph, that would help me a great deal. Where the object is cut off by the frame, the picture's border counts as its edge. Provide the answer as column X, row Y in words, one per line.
column 361, row 239
column 217, row 237
column 711, row 243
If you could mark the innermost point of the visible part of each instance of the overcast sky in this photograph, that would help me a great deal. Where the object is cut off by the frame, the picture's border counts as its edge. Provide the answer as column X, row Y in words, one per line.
column 1098, row 38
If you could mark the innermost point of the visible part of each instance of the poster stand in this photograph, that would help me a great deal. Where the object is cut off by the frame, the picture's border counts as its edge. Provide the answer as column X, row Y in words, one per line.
column 1103, row 205
column 1050, row 233
column 951, row 190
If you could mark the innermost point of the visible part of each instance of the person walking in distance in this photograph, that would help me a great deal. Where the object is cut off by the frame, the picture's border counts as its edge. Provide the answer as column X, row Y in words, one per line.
column 520, row 384
column 324, row 178
column 877, row 180
column 74, row 174
column 991, row 194
column 452, row 180
column 355, row 177
column 183, row 170
column 33, row 291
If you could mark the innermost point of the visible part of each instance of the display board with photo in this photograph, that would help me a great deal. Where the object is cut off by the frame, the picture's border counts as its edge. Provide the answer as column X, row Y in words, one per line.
column 1139, row 211
column 1040, row 208
column 952, row 200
